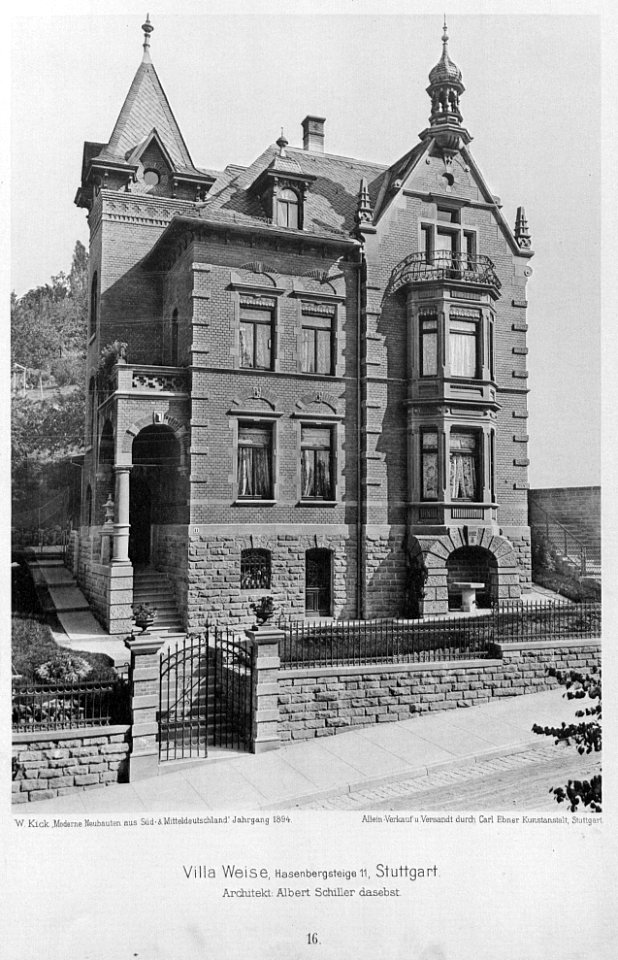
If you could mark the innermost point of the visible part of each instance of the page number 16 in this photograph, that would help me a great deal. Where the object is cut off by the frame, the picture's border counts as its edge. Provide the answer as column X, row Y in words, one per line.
column 312, row 939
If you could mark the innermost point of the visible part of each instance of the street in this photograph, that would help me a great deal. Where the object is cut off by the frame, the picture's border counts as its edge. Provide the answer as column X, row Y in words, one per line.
column 514, row 782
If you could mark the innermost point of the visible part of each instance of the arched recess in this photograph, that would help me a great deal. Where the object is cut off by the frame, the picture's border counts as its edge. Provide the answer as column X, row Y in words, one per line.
column 472, row 565
column 158, row 494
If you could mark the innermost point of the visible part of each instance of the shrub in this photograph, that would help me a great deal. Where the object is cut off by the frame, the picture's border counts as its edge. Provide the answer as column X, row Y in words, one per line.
column 586, row 735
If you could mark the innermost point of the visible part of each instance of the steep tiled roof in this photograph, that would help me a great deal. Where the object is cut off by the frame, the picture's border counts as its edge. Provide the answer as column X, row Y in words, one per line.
column 146, row 107
column 331, row 199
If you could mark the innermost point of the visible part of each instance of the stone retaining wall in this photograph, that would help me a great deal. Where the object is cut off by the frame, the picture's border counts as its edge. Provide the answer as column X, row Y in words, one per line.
column 322, row 701
column 54, row 763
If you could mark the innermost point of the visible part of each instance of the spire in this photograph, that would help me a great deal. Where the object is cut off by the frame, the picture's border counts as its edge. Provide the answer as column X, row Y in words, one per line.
column 147, row 28
column 522, row 234
column 445, row 87
column 364, row 213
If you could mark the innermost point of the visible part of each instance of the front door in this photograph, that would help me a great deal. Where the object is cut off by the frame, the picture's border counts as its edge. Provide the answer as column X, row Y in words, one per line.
column 317, row 583
column 140, row 520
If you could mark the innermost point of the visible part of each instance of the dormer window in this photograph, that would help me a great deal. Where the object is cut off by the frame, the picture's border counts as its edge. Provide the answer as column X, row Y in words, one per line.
column 288, row 209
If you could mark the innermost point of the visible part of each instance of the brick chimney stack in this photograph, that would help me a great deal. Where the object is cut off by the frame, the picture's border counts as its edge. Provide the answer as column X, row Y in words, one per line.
column 313, row 134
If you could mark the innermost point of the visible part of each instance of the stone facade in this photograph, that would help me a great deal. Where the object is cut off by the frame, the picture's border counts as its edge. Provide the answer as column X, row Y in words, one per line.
column 325, row 361
column 47, row 765
column 329, row 700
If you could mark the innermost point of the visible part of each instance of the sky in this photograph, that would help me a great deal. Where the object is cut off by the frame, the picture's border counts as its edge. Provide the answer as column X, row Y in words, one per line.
column 532, row 104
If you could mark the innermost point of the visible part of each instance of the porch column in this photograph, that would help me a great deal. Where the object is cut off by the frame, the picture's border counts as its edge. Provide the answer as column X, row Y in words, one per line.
column 122, row 526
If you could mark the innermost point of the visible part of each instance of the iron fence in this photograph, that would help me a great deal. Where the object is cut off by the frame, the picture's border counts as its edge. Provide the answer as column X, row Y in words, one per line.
column 323, row 643
column 69, row 706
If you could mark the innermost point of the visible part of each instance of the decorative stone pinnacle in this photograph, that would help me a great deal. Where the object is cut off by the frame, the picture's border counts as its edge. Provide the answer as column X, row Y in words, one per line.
column 444, row 32
column 522, row 234
column 364, row 213
column 147, row 27
column 282, row 143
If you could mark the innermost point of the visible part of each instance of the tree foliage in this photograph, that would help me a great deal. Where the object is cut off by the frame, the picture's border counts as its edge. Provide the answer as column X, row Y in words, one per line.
column 585, row 736
column 50, row 321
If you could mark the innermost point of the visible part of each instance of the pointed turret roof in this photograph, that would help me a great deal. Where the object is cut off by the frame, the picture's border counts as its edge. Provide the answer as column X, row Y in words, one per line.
column 146, row 107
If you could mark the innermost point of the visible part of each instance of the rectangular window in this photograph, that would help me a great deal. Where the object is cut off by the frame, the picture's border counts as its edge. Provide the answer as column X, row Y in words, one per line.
column 256, row 330
column 446, row 215
column 463, row 348
column 255, row 462
column 429, row 465
column 464, row 465
column 317, row 345
column 426, row 242
column 429, row 346
column 317, row 463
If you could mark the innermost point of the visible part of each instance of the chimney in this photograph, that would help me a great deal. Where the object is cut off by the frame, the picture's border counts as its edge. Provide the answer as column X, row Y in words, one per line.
column 313, row 134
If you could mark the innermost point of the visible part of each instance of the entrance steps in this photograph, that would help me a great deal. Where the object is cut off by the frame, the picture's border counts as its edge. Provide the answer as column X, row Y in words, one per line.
column 152, row 587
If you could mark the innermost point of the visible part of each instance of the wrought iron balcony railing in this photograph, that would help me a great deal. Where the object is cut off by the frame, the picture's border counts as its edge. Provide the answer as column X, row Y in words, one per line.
column 443, row 265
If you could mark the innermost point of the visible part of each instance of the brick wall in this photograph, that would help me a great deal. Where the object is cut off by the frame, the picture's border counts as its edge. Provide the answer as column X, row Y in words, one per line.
column 67, row 761
column 321, row 702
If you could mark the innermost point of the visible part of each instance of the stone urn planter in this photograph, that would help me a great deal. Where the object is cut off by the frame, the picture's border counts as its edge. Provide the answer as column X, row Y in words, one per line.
column 144, row 616
column 264, row 610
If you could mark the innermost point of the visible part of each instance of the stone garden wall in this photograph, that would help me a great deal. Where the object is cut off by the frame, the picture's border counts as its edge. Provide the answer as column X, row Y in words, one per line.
column 51, row 764
column 322, row 701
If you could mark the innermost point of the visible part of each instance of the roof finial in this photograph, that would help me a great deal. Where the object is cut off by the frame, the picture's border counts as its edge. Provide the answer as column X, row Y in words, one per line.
column 147, row 28
column 282, row 143
column 444, row 33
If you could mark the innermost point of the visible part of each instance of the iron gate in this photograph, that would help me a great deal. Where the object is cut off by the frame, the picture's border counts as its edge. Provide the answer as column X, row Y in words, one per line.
column 205, row 696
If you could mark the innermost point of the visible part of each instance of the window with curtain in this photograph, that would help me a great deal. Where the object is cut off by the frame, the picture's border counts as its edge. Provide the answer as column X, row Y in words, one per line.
column 463, row 347
column 464, row 466
column 317, row 344
column 429, row 346
column 288, row 209
column 256, row 329
column 255, row 462
column 429, row 465
column 317, row 463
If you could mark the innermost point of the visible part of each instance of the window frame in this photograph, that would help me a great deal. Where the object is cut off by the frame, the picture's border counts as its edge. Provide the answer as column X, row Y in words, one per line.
column 433, row 451
column 425, row 318
column 479, row 438
column 244, row 309
column 331, row 427
column 318, row 318
column 284, row 203
column 266, row 426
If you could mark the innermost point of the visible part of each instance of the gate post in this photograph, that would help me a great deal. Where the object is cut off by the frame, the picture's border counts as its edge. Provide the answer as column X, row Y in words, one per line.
column 265, row 680
column 144, row 684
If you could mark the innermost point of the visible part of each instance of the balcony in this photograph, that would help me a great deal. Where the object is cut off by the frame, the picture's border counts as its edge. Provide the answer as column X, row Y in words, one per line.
column 151, row 380
column 445, row 267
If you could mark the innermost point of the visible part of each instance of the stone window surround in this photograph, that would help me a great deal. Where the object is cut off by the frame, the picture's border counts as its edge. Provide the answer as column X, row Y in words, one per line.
column 308, row 299
column 262, row 296
column 331, row 422
column 428, row 227
column 258, row 419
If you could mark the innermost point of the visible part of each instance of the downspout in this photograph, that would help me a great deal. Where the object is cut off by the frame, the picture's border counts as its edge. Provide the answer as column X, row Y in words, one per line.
column 360, row 446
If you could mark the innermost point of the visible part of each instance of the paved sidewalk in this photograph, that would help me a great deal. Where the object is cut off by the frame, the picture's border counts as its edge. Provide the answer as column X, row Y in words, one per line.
column 328, row 766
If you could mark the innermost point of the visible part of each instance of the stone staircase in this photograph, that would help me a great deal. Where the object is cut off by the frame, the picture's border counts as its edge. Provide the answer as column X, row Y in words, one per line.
column 152, row 587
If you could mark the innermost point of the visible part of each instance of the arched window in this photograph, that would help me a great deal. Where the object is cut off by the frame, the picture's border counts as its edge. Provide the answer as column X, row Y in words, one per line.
column 94, row 304
column 288, row 209
column 174, row 339
column 255, row 568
